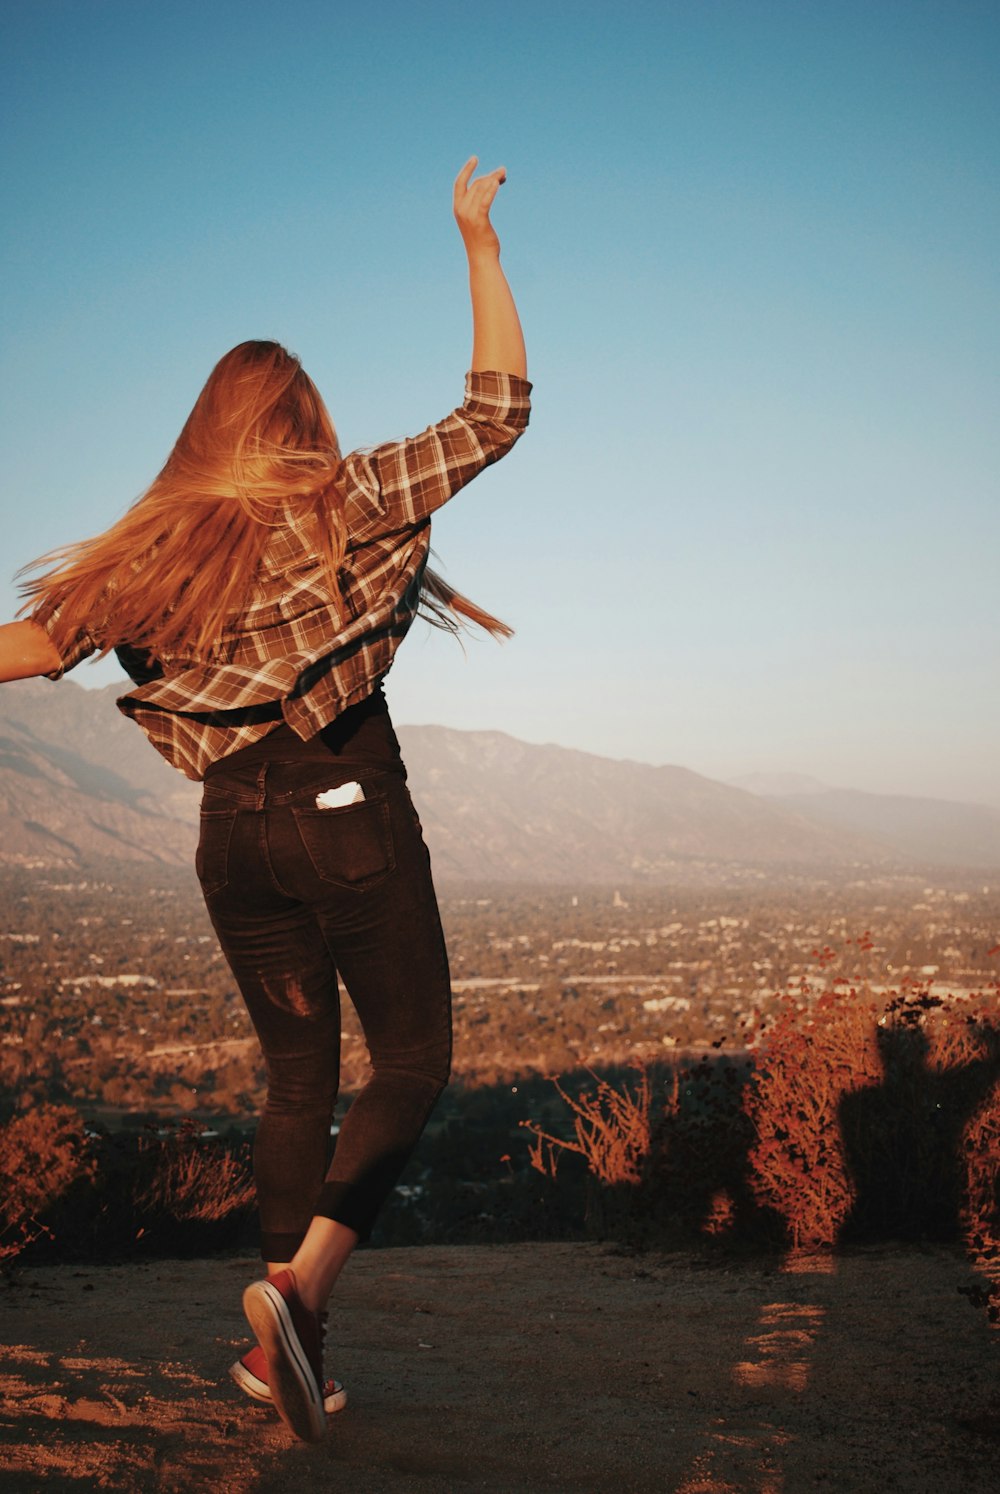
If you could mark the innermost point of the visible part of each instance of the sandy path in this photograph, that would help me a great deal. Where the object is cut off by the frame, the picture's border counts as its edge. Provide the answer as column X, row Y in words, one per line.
column 517, row 1368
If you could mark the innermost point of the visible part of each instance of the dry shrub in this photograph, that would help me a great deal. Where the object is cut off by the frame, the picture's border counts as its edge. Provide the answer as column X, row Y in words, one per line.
column 196, row 1182
column 863, row 1116
column 968, row 1045
column 43, row 1153
column 667, row 1155
column 805, row 1062
column 611, row 1129
column 878, row 1117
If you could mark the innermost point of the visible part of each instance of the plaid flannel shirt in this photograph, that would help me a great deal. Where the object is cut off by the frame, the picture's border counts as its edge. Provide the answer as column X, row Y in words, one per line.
column 297, row 653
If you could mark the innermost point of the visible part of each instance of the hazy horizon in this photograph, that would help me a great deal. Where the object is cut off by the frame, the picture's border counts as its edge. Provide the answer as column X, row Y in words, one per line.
column 790, row 771
column 754, row 525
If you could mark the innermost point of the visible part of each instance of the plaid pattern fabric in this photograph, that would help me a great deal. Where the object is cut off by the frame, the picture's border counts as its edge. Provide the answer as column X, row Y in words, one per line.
column 298, row 654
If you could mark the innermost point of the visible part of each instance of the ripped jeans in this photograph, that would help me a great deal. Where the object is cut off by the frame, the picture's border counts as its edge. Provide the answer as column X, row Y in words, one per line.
column 299, row 895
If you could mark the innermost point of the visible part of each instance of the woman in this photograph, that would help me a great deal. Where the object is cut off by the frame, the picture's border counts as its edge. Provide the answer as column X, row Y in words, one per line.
column 256, row 594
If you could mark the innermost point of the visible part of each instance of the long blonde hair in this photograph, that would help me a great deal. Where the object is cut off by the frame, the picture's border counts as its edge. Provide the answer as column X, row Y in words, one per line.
column 181, row 563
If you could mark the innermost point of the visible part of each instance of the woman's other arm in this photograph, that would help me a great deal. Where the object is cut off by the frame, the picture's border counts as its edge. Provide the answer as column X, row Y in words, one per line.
column 497, row 340
column 26, row 650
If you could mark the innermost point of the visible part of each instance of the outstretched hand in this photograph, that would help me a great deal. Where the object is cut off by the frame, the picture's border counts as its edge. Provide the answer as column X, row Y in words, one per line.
column 472, row 201
column 497, row 342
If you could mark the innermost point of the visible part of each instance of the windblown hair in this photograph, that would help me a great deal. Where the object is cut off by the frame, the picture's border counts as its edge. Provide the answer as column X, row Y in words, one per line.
column 181, row 564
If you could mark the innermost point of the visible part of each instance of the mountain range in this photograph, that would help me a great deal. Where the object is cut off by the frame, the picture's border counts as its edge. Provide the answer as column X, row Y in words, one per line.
column 78, row 781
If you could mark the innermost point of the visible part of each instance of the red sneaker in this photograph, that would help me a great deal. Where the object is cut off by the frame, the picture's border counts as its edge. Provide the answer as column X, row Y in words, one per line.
column 250, row 1374
column 292, row 1340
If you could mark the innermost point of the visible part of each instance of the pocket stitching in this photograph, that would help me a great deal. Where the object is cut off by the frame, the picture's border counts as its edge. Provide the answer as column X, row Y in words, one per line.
column 207, row 816
column 307, row 815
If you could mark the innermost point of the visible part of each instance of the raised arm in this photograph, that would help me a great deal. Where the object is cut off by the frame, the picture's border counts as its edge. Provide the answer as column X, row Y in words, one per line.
column 25, row 650
column 497, row 341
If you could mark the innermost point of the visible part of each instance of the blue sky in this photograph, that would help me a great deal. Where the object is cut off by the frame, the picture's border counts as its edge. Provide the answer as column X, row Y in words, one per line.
column 754, row 525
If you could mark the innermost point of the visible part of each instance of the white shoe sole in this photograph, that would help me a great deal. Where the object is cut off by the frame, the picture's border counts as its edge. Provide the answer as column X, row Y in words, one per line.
column 295, row 1395
column 334, row 1400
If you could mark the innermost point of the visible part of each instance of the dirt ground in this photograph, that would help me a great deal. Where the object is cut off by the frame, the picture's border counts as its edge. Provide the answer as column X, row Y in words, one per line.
column 517, row 1368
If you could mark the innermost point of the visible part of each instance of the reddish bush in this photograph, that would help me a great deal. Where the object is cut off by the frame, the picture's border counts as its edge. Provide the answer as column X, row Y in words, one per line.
column 611, row 1131
column 879, row 1117
column 863, row 1116
column 43, row 1153
column 805, row 1062
column 192, row 1182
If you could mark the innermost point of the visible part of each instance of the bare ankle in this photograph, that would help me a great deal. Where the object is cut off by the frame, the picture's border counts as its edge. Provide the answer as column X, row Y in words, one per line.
column 310, row 1299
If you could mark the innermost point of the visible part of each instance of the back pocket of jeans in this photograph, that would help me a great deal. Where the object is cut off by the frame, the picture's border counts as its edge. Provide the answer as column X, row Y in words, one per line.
column 211, row 861
column 350, row 846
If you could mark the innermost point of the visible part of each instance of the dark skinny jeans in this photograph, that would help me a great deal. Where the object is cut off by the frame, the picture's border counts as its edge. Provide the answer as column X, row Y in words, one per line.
column 298, row 895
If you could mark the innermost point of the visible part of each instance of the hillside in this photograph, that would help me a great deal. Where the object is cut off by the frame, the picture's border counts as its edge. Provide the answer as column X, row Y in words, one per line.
column 78, row 782
column 931, row 830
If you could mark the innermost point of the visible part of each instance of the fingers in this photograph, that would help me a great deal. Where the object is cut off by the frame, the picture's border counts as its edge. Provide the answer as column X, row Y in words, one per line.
column 473, row 201
column 488, row 187
column 487, row 184
column 462, row 180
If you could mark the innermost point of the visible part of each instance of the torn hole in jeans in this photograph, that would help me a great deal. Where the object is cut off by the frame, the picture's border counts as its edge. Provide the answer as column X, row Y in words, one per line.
column 286, row 991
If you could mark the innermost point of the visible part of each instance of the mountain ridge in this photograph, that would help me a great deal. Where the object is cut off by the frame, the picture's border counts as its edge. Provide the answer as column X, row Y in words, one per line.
column 77, row 780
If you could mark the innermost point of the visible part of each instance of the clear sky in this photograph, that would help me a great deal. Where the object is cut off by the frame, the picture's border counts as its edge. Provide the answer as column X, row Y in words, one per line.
column 755, row 523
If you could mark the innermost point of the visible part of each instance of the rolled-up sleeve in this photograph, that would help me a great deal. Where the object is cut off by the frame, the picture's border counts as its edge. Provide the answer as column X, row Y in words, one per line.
column 81, row 647
column 399, row 485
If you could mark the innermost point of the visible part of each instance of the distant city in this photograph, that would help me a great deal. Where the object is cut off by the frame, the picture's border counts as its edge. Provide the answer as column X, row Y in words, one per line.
column 115, row 996
column 597, row 912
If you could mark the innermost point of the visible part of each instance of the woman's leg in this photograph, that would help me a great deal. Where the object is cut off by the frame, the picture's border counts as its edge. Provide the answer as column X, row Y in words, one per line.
column 389, row 948
column 290, row 920
column 320, row 1259
column 384, row 936
column 322, row 891
column 289, row 983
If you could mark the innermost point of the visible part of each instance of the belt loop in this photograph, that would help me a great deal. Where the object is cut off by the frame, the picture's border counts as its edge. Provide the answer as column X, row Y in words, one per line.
column 261, row 786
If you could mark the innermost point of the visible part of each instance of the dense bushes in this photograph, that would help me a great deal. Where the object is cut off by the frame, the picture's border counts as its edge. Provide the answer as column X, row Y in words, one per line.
column 853, row 1116
column 76, row 1193
column 850, row 1115
column 44, row 1156
column 878, row 1117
